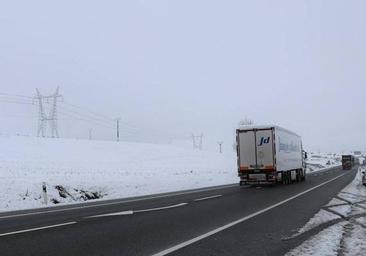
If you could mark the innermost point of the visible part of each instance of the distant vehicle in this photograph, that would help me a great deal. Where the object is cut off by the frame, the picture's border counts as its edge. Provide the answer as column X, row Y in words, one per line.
column 362, row 161
column 269, row 155
column 348, row 161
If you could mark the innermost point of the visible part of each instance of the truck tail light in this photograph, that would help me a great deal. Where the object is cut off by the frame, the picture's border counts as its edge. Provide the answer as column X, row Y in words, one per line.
column 244, row 168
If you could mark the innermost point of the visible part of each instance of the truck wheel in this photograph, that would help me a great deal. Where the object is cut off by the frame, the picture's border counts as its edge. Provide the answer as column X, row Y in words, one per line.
column 298, row 176
column 289, row 177
column 284, row 178
column 303, row 177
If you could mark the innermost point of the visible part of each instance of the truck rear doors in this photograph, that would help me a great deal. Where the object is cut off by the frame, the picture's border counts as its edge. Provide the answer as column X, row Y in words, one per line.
column 256, row 150
column 265, row 154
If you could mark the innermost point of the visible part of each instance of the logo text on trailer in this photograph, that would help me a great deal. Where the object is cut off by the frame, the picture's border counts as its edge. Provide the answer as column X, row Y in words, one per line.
column 264, row 141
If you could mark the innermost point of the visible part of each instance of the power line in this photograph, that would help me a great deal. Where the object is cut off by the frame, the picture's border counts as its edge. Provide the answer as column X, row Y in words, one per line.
column 15, row 102
column 15, row 95
column 91, row 112
column 100, row 116
column 79, row 118
column 17, row 116
column 7, row 99
column 133, row 129
column 76, row 115
column 86, row 115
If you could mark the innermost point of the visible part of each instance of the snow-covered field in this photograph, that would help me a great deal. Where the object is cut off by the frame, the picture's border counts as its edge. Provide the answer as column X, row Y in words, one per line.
column 344, row 225
column 80, row 170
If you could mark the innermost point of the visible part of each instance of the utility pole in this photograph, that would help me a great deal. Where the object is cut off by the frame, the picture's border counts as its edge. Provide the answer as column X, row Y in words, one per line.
column 51, row 117
column 220, row 146
column 193, row 141
column 90, row 134
column 117, row 129
column 201, row 140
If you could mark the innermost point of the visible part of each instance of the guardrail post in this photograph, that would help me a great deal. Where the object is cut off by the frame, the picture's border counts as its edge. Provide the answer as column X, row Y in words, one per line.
column 44, row 188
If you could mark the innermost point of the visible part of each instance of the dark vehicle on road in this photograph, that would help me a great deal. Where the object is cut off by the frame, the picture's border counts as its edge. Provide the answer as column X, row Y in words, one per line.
column 348, row 162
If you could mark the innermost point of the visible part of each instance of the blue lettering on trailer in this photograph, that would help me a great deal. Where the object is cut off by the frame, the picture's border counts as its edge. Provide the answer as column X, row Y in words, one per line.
column 264, row 141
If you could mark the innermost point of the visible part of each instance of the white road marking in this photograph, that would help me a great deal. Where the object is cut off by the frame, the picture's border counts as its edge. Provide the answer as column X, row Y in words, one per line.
column 217, row 230
column 35, row 229
column 161, row 208
column 110, row 214
column 206, row 198
column 120, row 202
column 138, row 211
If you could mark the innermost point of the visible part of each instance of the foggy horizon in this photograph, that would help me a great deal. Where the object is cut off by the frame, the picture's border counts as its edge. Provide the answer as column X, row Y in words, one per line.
column 169, row 69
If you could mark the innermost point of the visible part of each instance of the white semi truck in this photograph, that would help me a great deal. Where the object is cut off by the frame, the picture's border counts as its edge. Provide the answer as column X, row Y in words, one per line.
column 269, row 155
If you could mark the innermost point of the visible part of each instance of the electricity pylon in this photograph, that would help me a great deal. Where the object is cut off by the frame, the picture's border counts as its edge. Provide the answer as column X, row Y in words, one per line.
column 50, row 117
column 197, row 141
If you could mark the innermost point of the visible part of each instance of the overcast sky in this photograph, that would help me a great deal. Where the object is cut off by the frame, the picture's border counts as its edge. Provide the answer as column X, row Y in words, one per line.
column 176, row 67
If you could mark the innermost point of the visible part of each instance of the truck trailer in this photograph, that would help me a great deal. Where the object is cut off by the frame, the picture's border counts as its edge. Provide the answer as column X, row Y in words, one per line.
column 348, row 161
column 269, row 155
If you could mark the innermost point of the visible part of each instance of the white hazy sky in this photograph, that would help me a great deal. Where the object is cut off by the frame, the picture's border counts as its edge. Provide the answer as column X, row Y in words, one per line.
column 170, row 68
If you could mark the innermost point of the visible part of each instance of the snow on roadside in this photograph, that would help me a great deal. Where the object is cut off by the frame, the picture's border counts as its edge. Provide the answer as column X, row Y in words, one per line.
column 343, row 210
column 320, row 218
column 362, row 220
column 355, row 244
column 327, row 242
column 80, row 170
column 346, row 237
column 335, row 201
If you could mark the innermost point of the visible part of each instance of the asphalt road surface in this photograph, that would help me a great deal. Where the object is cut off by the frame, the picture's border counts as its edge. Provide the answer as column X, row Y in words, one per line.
column 226, row 220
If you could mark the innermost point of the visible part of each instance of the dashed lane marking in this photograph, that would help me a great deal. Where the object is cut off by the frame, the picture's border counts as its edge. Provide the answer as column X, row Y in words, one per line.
column 138, row 211
column 39, row 228
column 206, row 198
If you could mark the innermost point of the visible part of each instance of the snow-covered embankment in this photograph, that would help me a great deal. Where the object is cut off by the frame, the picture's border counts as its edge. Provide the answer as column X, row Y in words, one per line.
column 79, row 170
